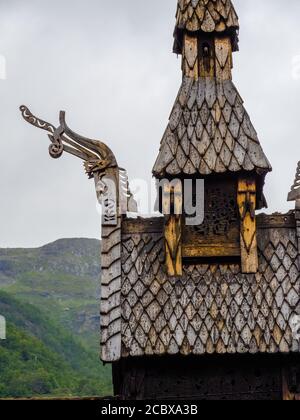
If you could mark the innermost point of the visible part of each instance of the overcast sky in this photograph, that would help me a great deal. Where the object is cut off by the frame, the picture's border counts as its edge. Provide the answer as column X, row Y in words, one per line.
column 109, row 65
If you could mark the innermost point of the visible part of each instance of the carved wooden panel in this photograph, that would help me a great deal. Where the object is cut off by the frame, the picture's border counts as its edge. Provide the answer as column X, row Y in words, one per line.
column 219, row 235
column 207, row 378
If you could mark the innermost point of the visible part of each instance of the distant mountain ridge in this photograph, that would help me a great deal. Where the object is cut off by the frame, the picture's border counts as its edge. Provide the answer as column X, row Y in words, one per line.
column 80, row 257
column 62, row 279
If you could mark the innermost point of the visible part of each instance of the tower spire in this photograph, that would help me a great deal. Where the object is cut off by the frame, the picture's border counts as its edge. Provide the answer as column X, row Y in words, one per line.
column 210, row 136
column 209, row 130
column 205, row 16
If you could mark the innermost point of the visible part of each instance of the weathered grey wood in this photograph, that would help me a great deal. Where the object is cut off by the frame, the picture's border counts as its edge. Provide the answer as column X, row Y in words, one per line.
column 294, row 194
column 215, row 122
column 245, row 315
column 208, row 16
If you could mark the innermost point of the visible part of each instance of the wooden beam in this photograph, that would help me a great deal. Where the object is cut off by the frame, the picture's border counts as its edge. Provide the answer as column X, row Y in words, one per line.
column 247, row 206
column 223, row 51
column 172, row 209
column 190, row 57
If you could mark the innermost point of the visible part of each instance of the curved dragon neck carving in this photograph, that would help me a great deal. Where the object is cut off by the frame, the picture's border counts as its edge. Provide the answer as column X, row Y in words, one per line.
column 96, row 155
column 99, row 162
column 112, row 188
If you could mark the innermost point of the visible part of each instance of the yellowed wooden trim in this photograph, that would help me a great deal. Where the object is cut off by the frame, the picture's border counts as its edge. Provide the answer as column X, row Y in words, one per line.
column 190, row 57
column 172, row 199
column 173, row 246
column 211, row 250
column 247, row 205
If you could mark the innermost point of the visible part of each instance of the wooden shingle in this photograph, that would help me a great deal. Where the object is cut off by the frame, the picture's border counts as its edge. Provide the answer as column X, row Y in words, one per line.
column 205, row 16
column 209, row 132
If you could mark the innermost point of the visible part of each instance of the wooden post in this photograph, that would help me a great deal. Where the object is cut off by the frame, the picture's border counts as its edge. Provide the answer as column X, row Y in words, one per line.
column 223, row 51
column 247, row 206
column 287, row 395
column 172, row 209
column 190, row 57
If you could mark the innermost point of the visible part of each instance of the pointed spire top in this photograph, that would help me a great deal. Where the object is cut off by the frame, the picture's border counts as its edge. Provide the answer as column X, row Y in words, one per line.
column 205, row 16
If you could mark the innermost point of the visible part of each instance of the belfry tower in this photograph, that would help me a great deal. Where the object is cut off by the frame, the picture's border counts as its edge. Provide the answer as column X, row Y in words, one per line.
column 209, row 309
column 210, row 136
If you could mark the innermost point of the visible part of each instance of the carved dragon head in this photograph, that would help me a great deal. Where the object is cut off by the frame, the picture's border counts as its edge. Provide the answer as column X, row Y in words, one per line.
column 96, row 155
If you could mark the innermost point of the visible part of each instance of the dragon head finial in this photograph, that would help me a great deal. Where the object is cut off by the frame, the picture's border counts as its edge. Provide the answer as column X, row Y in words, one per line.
column 97, row 156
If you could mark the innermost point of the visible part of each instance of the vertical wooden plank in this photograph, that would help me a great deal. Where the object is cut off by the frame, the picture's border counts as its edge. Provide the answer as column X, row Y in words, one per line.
column 223, row 51
column 107, row 188
column 190, row 57
column 287, row 395
column 172, row 209
column 247, row 205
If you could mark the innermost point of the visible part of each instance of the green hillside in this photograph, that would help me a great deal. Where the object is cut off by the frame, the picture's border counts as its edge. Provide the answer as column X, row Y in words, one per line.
column 62, row 279
column 40, row 358
column 51, row 302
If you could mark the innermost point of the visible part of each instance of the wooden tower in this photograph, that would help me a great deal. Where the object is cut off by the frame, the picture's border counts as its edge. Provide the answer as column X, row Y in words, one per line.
column 210, row 136
column 205, row 310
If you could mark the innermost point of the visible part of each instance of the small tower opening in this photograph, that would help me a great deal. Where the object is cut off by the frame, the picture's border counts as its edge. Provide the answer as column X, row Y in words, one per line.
column 206, row 55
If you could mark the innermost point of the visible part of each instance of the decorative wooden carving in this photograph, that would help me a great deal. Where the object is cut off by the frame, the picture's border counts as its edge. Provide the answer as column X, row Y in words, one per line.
column 96, row 155
column 219, row 235
column 172, row 209
column 294, row 194
column 113, row 193
column 247, row 206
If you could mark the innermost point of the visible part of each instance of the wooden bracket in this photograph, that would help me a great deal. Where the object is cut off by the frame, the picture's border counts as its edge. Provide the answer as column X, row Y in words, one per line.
column 247, row 206
column 172, row 209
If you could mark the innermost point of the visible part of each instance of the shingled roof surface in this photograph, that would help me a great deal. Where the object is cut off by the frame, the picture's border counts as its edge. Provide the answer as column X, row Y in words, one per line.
column 206, row 16
column 209, row 132
column 212, row 308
